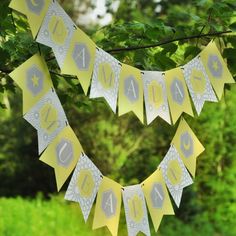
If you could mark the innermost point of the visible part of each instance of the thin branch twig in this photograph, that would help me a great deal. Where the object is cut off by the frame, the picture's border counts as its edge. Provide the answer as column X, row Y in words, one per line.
column 208, row 21
column 216, row 34
column 132, row 48
column 63, row 75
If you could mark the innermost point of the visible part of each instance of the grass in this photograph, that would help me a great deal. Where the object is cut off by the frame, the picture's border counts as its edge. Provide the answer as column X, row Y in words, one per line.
column 37, row 217
column 56, row 217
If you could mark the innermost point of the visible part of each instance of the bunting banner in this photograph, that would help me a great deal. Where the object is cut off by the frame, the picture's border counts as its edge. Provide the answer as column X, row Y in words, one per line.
column 35, row 10
column 135, row 210
column 63, row 154
column 216, row 68
column 166, row 93
column 198, row 84
column 105, row 81
column 34, row 79
column 131, row 91
column 177, row 94
column 188, row 146
column 48, row 118
column 108, row 205
column 56, row 31
column 157, row 197
column 79, row 60
column 84, row 185
column 125, row 88
column 155, row 96
column 175, row 174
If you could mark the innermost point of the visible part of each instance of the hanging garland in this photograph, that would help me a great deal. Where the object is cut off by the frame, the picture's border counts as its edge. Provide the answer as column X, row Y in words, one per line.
column 165, row 94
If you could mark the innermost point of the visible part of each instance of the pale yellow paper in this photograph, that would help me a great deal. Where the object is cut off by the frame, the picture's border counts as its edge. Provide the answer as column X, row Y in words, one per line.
column 136, row 102
column 225, row 77
column 179, row 102
column 19, row 75
column 50, row 155
column 197, row 148
column 18, row 5
column 35, row 20
column 148, row 187
column 87, row 53
column 100, row 218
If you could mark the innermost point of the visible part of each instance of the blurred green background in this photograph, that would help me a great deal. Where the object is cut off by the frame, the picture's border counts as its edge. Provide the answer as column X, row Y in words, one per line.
column 122, row 148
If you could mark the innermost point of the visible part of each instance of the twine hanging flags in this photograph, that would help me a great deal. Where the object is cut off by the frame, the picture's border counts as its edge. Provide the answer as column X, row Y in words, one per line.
column 175, row 174
column 34, row 79
column 135, row 210
column 63, row 154
column 80, row 58
column 155, row 96
column 216, row 68
column 131, row 91
column 157, row 198
column 108, row 205
column 48, row 118
column 177, row 93
column 105, row 81
column 35, row 10
column 84, row 185
column 188, row 146
column 198, row 84
column 56, row 31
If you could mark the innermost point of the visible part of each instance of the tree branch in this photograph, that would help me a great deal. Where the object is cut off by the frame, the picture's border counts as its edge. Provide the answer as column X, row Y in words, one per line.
column 204, row 26
column 132, row 48
column 216, row 34
column 63, row 75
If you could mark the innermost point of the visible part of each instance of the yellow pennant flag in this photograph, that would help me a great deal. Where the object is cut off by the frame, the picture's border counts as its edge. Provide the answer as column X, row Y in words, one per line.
column 18, row 6
column 131, row 91
column 80, row 58
column 63, row 154
column 216, row 68
column 157, row 198
column 35, row 11
column 108, row 204
column 188, row 146
column 34, row 79
column 177, row 93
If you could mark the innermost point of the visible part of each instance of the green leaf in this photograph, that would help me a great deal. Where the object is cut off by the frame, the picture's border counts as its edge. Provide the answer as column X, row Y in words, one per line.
column 195, row 17
column 232, row 40
column 229, row 53
column 3, row 106
column 201, row 3
column 170, row 48
column 233, row 27
column 191, row 51
column 152, row 33
column 163, row 62
column 4, row 57
column 136, row 26
column 180, row 31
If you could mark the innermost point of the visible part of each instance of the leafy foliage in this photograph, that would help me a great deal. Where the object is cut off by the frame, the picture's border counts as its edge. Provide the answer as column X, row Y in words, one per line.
column 121, row 147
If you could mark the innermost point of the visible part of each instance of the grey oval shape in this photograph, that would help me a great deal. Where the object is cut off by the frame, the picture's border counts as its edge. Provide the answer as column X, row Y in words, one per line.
column 35, row 6
column 65, row 153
